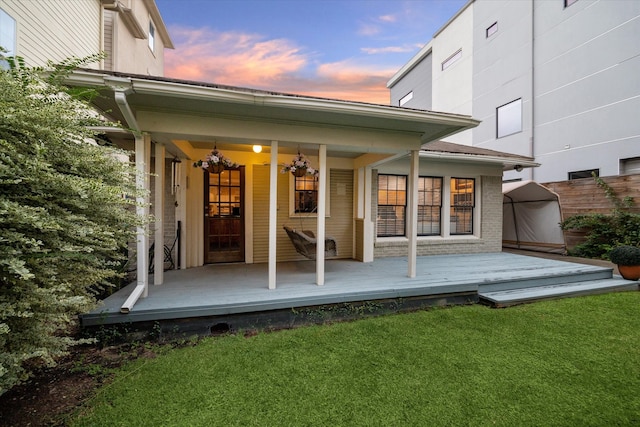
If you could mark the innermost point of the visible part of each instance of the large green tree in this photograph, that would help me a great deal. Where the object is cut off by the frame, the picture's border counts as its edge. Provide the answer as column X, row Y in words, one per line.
column 66, row 215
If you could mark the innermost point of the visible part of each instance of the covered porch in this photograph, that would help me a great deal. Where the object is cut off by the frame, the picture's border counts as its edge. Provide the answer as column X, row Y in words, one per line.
column 231, row 293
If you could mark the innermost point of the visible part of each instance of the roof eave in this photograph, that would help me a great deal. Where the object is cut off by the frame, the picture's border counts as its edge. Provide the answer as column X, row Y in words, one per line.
column 140, row 85
column 507, row 163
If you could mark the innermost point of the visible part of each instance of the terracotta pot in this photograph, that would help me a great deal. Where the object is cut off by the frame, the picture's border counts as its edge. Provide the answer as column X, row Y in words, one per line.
column 299, row 172
column 217, row 168
column 629, row 272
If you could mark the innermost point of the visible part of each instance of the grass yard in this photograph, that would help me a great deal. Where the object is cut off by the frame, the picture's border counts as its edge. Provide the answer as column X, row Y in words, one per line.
column 571, row 362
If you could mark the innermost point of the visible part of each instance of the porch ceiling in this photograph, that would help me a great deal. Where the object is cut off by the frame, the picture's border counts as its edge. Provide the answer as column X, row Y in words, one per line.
column 329, row 121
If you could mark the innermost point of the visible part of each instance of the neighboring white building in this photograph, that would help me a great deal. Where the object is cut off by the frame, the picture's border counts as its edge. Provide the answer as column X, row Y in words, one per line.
column 556, row 80
column 130, row 32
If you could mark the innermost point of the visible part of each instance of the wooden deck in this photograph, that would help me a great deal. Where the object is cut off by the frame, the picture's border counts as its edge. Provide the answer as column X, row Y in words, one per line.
column 215, row 292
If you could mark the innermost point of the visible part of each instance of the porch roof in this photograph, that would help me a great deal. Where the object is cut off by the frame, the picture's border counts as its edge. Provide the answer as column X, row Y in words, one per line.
column 144, row 94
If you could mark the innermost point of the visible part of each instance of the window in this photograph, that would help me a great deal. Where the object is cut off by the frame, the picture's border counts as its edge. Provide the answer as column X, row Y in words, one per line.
column 568, row 3
column 584, row 174
column 305, row 194
column 392, row 205
column 630, row 166
column 152, row 36
column 450, row 60
column 408, row 97
column 429, row 206
column 492, row 29
column 7, row 36
column 509, row 118
column 462, row 204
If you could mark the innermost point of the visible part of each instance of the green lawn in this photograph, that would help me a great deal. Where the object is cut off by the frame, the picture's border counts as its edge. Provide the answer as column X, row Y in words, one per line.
column 572, row 362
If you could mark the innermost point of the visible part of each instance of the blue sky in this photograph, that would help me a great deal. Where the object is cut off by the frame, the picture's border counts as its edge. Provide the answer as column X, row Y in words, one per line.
column 344, row 49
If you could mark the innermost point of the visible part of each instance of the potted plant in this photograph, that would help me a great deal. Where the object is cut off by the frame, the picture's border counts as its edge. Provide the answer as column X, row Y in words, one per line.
column 627, row 258
column 215, row 162
column 299, row 166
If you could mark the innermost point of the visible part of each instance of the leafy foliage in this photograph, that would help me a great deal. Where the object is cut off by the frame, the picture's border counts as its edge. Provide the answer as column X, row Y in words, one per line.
column 625, row 255
column 65, row 214
column 604, row 232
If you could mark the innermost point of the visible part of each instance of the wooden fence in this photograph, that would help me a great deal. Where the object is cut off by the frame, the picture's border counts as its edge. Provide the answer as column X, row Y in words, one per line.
column 581, row 196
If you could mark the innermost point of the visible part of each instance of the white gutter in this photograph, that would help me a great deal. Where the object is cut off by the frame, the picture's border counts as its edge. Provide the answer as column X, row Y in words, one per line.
column 292, row 101
column 506, row 161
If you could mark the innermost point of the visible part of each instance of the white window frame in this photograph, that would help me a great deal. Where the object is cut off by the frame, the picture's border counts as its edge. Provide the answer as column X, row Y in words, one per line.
column 292, row 199
column 445, row 214
column 8, row 36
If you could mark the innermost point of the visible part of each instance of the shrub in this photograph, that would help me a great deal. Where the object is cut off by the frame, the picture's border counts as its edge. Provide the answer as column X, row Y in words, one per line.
column 604, row 232
column 65, row 215
column 625, row 255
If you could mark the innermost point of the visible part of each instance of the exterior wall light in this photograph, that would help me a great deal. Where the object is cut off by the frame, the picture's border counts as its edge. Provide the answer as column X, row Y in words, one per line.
column 257, row 148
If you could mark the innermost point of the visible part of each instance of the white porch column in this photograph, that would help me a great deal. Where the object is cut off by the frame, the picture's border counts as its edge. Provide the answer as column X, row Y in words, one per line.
column 273, row 213
column 412, row 213
column 321, row 209
column 158, row 213
column 369, row 222
column 142, row 148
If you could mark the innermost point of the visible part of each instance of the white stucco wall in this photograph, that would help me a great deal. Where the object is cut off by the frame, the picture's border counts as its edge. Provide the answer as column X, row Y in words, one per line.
column 452, row 90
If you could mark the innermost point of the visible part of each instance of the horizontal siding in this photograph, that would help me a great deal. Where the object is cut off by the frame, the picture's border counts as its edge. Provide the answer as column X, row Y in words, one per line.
column 55, row 30
column 339, row 225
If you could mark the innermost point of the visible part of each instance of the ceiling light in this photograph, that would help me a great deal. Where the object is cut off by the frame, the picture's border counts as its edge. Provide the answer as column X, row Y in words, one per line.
column 257, row 148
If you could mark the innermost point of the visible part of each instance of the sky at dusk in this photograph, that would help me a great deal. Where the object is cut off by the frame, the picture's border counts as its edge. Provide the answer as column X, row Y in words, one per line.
column 344, row 49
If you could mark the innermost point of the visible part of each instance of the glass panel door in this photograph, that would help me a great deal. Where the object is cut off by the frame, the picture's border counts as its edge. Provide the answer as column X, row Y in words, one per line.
column 224, row 216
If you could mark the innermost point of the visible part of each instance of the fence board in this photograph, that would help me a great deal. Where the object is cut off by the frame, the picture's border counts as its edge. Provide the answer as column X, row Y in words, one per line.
column 582, row 196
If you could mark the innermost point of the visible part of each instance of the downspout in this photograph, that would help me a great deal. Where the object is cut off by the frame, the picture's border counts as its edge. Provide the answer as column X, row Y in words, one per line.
column 122, row 87
column 533, row 92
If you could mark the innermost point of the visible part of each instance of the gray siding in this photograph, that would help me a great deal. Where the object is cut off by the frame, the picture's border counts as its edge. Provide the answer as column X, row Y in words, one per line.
column 576, row 70
column 587, row 87
column 418, row 81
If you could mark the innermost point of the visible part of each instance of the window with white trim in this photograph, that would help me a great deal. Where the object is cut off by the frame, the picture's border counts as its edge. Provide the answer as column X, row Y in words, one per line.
column 429, row 205
column 509, row 118
column 463, row 201
column 305, row 194
column 7, row 36
column 392, row 205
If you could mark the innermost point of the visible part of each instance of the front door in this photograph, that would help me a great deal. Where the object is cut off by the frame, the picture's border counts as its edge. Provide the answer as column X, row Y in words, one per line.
column 224, row 216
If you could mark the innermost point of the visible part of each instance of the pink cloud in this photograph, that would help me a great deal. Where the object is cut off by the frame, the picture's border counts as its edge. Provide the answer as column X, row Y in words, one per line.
column 249, row 60
column 231, row 58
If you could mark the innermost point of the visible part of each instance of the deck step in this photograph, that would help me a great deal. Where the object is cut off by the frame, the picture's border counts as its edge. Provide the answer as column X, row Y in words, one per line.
column 541, row 279
column 511, row 297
